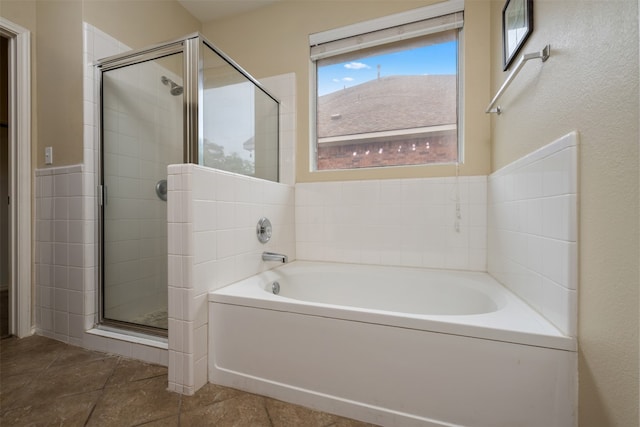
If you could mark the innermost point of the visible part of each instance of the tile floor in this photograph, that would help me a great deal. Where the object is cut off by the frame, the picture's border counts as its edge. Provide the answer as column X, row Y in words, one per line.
column 46, row 382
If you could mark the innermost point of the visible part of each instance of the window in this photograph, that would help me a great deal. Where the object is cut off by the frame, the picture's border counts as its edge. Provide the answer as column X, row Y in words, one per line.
column 388, row 97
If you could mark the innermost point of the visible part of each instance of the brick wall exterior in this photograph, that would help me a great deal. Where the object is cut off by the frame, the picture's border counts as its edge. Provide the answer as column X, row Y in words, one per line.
column 440, row 149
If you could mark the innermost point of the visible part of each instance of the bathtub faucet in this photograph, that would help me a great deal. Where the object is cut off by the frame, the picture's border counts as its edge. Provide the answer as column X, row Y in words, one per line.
column 272, row 256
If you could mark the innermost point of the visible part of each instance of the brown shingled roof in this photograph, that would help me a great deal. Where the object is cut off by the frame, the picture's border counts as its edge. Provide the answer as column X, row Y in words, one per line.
column 412, row 101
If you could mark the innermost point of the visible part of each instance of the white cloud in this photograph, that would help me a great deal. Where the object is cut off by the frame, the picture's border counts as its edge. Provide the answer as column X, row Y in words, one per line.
column 347, row 79
column 355, row 66
column 336, row 80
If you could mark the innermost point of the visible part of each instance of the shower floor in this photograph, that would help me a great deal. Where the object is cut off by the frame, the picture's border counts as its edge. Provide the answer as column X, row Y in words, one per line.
column 156, row 319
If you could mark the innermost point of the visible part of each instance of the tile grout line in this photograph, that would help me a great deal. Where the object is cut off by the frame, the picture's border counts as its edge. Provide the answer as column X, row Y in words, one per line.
column 95, row 405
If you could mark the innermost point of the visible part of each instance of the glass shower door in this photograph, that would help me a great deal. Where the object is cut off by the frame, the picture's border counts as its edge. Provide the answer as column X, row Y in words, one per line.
column 142, row 133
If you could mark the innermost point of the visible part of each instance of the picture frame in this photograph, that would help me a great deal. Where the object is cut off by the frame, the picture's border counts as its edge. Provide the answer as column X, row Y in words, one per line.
column 517, row 26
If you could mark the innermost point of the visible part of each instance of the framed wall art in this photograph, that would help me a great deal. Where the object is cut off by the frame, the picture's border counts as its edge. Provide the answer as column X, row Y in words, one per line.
column 517, row 26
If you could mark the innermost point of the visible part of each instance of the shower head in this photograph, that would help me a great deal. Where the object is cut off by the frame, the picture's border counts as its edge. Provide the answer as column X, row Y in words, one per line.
column 175, row 89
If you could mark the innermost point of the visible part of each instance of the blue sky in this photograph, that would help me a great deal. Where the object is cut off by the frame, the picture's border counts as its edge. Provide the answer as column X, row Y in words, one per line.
column 434, row 59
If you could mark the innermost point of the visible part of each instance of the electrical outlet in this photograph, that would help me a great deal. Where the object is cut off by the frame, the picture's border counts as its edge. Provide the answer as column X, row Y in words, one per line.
column 48, row 155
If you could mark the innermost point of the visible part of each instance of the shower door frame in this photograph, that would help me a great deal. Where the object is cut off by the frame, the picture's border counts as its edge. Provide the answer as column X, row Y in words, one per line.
column 190, row 48
column 193, row 96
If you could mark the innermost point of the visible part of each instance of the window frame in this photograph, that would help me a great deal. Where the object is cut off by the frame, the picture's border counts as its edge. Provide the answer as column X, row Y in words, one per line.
column 352, row 31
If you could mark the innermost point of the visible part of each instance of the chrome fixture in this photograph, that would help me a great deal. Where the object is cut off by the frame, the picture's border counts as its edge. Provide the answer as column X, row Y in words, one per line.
column 543, row 54
column 161, row 189
column 175, row 89
column 275, row 288
column 272, row 256
column 264, row 230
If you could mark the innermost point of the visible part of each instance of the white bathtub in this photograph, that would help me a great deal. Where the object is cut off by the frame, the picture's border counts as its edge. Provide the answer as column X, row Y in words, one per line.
column 393, row 346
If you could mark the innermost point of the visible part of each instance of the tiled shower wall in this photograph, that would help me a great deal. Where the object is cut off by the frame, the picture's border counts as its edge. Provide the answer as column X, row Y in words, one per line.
column 533, row 229
column 212, row 243
column 427, row 222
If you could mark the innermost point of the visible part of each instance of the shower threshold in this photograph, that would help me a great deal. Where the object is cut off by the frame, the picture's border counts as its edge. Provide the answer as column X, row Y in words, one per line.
column 107, row 331
column 137, row 327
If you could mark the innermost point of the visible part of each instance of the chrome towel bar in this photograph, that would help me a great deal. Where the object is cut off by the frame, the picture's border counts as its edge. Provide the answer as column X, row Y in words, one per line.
column 543, row 54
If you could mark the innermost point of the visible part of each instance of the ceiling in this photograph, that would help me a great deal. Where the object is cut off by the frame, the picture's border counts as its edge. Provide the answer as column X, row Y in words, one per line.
column 210, row 10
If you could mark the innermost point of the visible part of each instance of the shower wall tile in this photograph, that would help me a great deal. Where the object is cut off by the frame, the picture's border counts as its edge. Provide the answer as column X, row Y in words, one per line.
column 533, row 227
column 409, row 222
column 212, row 243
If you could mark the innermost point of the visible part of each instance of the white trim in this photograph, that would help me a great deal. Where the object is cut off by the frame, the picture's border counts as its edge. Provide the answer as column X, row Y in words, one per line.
column 20, row 176
column 402, row 18
column 438, row 25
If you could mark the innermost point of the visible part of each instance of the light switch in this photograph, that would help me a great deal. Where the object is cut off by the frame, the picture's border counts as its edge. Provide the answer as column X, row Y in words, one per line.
column 48, row 155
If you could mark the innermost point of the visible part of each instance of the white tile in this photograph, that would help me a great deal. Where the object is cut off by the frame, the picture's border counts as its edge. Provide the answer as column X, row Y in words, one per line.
column 555, row 256
column 76, row 255
column 61, row 323
column 175, row 270
column 478, row 192
column 76, row 327
column 60, row 231
column 75, row 279
column 560, row 307
column 61, row 208
column 176, row 337
column 61, row 187
column 61, row 300
column 90, row 303
column 76, row 231
column 205, row 215
column 225, row 212
column 176, row 303
column 187, row 272
column 75, row 184
column 61, row 253
column 76, row 303
column 75, row 208
column 555, row 214
column 200, row 373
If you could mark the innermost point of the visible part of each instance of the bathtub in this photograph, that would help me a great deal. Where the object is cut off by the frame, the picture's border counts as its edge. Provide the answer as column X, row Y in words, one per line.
column 393, row 346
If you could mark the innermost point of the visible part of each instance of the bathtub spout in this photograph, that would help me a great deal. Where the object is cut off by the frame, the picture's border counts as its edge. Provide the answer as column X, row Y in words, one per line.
column 272, row 256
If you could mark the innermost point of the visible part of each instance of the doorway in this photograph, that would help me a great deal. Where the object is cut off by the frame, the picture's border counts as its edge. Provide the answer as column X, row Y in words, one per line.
column 142, row 133
column 4, row 187
column 17, row 203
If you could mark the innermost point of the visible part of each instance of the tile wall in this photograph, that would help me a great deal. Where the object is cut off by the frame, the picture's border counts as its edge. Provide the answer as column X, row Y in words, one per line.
column 212, row 243
column 65, row 297
column 533, row 229
column 408, row 222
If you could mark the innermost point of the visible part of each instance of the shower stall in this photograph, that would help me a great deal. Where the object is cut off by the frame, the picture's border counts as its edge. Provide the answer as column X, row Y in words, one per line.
column 179, row 102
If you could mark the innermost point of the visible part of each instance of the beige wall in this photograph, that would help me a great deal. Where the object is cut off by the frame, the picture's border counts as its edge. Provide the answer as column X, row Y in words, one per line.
column 274, row 40
column 57, row 34
column 140, row 23
column 23, row 13
column 590, row 84
column 59, row 81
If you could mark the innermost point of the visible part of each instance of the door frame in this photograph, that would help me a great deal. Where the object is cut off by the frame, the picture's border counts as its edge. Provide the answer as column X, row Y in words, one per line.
column 20, row 187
